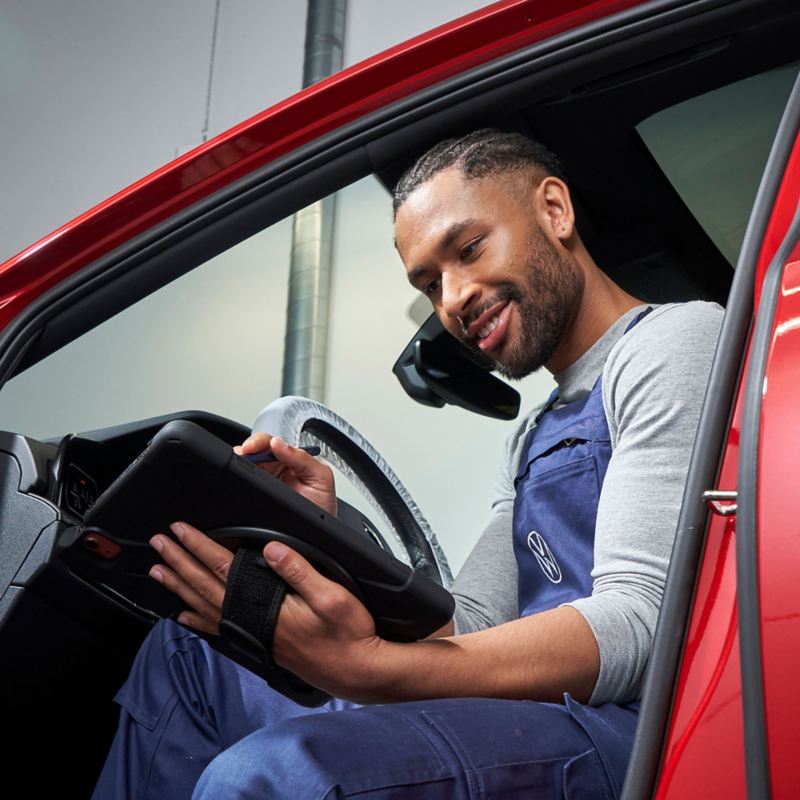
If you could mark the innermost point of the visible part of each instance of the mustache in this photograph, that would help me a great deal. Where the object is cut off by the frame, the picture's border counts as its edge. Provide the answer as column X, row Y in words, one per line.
column 505, row 293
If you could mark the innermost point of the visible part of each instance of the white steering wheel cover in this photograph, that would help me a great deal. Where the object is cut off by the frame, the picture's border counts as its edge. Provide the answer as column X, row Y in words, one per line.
column 287, row 417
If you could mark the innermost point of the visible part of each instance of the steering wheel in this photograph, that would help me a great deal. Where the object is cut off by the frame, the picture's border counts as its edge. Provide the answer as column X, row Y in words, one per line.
column 306, row 422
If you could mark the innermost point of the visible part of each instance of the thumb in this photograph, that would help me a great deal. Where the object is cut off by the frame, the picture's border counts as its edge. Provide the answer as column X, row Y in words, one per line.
column 305, row 466
column 255, row 443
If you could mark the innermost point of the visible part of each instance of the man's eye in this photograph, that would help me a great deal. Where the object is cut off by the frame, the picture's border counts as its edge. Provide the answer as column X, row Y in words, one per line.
column 469, row 249
column 430, row 288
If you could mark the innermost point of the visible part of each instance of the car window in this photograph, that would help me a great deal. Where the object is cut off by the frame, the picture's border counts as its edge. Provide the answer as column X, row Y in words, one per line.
column 213, row 340
column 713, row 149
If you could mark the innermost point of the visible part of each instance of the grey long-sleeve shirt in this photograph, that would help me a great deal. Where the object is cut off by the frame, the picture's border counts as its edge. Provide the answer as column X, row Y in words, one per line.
column 654, row 381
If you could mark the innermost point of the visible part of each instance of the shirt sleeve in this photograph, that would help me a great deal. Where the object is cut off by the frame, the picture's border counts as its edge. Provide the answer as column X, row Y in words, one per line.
column 654, row 382
column 485, row 588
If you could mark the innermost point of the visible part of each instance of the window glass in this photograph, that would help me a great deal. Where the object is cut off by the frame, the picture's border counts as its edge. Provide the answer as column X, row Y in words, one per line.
column 713, row 149
column 211, row 340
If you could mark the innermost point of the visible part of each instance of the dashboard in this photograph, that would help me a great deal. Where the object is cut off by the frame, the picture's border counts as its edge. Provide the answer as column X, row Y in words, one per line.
column 47, row 487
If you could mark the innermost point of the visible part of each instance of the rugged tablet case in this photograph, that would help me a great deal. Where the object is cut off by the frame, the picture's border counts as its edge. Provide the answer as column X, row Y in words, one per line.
column 188, row 474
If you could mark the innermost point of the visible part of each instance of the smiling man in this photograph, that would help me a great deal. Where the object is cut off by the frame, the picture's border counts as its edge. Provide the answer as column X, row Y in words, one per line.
column 501, row 260
column 558, row 602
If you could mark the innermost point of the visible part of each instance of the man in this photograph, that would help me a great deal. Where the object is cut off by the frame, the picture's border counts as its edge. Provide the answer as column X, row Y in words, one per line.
column 558, row 601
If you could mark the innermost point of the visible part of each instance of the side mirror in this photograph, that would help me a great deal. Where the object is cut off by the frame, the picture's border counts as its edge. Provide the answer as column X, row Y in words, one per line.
column 435, row 368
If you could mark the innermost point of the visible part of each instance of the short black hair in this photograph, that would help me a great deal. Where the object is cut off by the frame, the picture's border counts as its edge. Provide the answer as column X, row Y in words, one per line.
column 487, row 151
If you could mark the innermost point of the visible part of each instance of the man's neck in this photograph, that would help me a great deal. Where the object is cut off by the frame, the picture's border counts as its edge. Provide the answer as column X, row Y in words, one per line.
column 602, row 304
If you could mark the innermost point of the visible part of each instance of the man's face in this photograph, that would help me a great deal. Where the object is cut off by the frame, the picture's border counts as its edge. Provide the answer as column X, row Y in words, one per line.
column 484, row 252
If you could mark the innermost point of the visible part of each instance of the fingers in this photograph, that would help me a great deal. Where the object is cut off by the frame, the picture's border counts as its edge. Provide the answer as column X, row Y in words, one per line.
column 196, row 574
column 296, row 468
column 305, row 466
column 210, row 553
column 319, row 592
column 285, row 455
column 201, row 608
column 200, row 622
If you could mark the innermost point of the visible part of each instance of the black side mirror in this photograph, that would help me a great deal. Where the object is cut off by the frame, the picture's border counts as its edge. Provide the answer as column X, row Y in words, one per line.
column 435, row 368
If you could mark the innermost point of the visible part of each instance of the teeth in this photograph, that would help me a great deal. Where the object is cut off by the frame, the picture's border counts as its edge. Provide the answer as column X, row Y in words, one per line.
column 488, row 328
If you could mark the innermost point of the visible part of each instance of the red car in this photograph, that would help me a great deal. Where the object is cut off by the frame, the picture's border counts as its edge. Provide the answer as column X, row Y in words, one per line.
column 679, row 122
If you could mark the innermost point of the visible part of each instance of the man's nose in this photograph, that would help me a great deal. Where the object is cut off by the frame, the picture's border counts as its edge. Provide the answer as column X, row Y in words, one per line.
column 459, row 293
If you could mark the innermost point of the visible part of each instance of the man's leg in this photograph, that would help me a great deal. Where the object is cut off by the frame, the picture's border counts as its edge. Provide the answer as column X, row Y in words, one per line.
column 182, row 704
column 470, row 748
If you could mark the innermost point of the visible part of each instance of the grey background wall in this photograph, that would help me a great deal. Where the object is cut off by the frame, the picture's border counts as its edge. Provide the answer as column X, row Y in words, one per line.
column 97, row 93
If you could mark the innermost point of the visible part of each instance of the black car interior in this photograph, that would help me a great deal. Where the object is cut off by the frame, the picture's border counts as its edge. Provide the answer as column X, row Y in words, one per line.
column 65, row 647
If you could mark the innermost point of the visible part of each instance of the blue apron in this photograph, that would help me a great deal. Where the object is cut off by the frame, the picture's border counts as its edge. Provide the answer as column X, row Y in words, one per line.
column 564, row 462
column 561, row 472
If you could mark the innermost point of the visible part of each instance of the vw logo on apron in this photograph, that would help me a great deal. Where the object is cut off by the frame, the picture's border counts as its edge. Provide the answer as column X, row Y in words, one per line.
column 544, row 555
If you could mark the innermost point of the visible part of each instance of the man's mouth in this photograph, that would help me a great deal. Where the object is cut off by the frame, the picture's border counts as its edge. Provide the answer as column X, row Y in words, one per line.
column 489, row 330
column 485, row 331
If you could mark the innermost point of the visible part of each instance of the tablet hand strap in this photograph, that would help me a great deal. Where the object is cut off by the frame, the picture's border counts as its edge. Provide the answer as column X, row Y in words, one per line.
column 253, row 598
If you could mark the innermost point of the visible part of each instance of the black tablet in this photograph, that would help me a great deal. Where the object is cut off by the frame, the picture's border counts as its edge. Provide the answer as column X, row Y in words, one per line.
column 188, row 474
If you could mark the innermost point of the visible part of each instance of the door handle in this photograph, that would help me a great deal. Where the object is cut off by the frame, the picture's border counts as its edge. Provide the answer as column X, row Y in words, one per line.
column 720, row 502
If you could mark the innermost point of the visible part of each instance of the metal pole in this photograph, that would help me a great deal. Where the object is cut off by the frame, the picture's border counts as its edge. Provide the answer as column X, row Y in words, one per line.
column 305, row 351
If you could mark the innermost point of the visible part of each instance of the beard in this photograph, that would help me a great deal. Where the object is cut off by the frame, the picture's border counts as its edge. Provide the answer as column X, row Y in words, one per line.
column 547, row 298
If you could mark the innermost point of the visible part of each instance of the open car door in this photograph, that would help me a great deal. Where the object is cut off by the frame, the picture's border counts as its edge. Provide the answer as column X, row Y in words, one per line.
column 719, row 716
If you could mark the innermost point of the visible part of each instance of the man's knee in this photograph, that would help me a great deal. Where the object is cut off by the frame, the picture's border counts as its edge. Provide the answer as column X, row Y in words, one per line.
column 170, row 659
column 283, row 760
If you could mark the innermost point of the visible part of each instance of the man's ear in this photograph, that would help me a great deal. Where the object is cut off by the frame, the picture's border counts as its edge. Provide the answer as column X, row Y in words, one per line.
column 556, row 208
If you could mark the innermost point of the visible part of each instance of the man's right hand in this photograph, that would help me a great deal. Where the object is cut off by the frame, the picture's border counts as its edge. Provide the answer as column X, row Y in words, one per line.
column 296, row 468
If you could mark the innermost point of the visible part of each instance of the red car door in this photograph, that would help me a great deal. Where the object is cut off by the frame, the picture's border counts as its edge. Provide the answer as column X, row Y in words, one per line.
column 768, row 544
column 731, row 716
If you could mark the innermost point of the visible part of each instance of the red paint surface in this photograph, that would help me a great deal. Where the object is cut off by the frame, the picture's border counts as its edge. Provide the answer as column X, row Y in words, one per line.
column 705, row 730
column 779, row 537
column 478, row 38
column 782, row 214
column 778, row 530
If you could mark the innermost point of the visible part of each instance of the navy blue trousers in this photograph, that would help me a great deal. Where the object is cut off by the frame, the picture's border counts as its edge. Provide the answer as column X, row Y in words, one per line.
column 194, row 724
